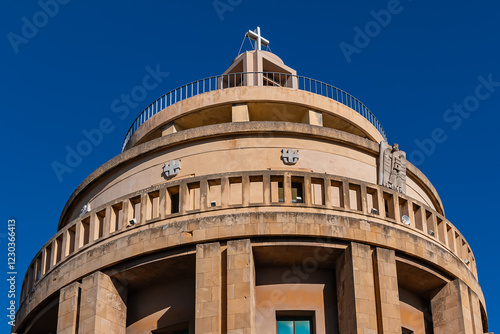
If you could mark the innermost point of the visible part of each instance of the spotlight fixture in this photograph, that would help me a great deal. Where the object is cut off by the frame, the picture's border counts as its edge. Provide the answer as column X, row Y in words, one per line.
column 466, row 262
column 432, row 233
column 374, row 211
column 405, row 220
column 132, row 222
column 213, row 203
column 85, row 209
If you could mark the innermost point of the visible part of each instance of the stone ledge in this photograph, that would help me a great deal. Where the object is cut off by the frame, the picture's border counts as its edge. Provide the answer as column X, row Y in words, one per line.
column 159, row 236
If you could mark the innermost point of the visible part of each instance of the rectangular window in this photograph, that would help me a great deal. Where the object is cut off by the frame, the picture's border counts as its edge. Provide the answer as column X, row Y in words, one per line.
column 256, row 189
column 59, row 247
column 235, row 190
column 355, row 197
column 318, row 194
column 153, row 205
column 48, row 258
column 70, row 240
column 31, row 276
column 277, row 191
column 116, row 217
column 38, row 267
column 337, row 194
column 372, row 200
column 403, row 208
column 294, row 325
column 417, row 217
column 84, row 232
column 135, row 209
column 99, row 224
column 430, row 222
column 173, row 203
column 297, row 189
column 214, row 192
column 389, row 205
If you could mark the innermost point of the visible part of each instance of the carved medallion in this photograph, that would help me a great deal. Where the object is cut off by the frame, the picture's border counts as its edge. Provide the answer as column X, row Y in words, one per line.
column 172, row 168
column 290, row 156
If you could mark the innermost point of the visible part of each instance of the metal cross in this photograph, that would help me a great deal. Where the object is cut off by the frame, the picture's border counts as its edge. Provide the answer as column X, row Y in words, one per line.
column 257, row 37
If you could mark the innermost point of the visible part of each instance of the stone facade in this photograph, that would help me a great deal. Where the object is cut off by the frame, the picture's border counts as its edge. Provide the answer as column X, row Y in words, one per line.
column 246, row 206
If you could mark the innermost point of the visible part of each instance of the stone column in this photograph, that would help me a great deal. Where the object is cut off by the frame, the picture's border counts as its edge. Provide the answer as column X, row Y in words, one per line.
column 240, row 288
column 204, row 205
column 327, row 186
column 162, row 203
column 308, row 192
column 208, row 288
column 67, row 316
column 386, row 290
column 245, row 188
column 475, row 308
column 346, row 200
column 287, row 188
column 170, row 128
column 266, row 184
column 144, row 209
column 103, row 305
column 313, row 117
column 225, row 191
column 356, row 291
column 240, row 112
column 93, row 227
column 451, row 311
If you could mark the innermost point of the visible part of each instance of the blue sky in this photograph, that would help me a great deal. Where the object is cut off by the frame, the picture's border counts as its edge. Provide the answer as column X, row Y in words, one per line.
column 62, row 77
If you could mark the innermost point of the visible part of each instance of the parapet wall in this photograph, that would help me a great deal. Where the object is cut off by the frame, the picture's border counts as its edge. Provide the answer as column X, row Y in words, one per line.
column 247, row 204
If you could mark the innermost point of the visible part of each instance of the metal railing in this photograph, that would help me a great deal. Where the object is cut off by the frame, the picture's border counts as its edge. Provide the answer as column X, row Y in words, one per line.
column 252, row 79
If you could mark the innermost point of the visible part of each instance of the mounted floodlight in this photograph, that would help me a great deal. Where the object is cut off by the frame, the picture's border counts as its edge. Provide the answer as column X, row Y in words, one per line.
column 85, row 209
column 374, row 211
column 213, row 203
column 405, row 220
column 132, row 222
column 432, row 233
column 466, row 262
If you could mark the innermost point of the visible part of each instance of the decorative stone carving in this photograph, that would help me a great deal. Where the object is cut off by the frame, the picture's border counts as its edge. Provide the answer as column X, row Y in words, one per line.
column 290, row 156
column 392, row 167
column 172, row 168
